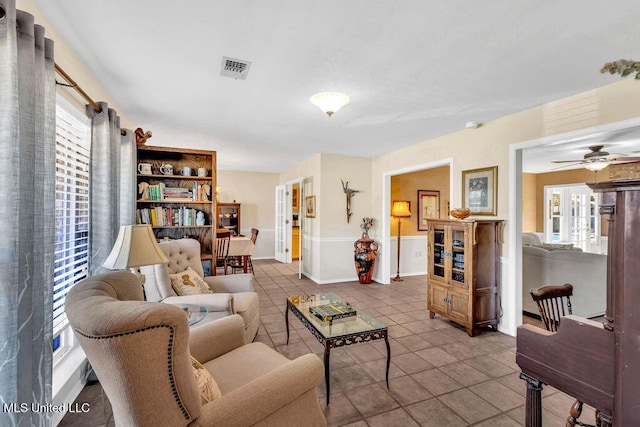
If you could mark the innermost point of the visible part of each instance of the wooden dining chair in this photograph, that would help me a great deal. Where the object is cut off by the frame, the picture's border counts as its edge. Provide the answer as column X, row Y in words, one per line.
column 237, row 262
column 222, row 250
column 554, row 302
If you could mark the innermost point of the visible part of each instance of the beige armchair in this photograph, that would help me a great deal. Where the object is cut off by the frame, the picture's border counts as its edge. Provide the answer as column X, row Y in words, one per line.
column 233, row 294
column 141, row 352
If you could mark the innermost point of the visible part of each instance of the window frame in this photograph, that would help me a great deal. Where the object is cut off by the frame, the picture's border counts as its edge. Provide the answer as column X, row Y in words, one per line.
column 71, row 113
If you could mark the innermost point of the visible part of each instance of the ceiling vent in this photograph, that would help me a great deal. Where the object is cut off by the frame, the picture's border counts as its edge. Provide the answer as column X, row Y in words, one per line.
column 235, row 68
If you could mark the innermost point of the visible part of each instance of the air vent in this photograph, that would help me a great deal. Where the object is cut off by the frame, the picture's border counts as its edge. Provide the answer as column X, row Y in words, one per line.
column 235, row 68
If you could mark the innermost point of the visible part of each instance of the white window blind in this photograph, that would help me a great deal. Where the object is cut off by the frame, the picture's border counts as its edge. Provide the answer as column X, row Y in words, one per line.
column 72, row 208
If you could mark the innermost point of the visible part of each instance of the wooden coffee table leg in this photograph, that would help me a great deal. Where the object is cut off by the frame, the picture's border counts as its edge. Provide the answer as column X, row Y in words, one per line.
column 326, row 371
column 386, row 341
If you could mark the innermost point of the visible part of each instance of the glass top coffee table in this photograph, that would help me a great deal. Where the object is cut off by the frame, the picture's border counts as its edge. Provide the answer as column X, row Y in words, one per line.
column 195, row 313
column 337, row 333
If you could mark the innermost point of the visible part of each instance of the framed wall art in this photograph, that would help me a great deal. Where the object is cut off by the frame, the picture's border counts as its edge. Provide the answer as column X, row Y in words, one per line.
column 428, row 207
column 480, row 190
column 310, row 206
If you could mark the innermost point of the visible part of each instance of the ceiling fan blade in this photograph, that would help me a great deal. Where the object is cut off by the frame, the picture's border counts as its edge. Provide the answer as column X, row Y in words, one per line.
column 565, row 166
column 567, row 161
column 625, row 159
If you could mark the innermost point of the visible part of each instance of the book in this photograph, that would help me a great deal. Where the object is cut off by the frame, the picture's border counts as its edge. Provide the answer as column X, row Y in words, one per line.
column 330, row 312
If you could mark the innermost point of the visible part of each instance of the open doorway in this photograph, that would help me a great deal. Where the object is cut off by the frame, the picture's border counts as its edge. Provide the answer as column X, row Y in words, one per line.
column 531, row 169
column 413, row 245
column 289, row 226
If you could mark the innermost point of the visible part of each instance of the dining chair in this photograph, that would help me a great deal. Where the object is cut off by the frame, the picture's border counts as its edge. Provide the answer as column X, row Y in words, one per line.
column 222, row 250
column 554, row 303
column 237, row 262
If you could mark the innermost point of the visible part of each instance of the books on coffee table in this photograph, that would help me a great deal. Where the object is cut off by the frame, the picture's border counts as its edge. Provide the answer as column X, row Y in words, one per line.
column 330, row 312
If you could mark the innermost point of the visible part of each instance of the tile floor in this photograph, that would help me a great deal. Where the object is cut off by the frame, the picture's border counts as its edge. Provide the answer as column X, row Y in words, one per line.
column 439, row 376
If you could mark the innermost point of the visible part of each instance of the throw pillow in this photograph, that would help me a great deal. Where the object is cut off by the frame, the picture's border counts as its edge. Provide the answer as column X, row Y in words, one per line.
column 189, row 282
column 207, row 386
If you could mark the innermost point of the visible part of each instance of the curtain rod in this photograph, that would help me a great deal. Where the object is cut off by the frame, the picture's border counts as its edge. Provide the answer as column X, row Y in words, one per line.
column 74, row 85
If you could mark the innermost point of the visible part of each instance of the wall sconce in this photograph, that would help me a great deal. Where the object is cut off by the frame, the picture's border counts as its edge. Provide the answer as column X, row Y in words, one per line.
column 329, row 102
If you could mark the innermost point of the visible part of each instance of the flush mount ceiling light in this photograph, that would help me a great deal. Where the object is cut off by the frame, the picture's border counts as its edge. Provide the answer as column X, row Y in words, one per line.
column 329, row 102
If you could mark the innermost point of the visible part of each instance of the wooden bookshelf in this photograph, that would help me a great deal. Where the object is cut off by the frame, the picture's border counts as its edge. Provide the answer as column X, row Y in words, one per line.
column 158, row 205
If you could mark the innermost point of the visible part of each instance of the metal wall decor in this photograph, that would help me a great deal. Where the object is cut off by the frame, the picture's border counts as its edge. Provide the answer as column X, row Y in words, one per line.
column 349, row 193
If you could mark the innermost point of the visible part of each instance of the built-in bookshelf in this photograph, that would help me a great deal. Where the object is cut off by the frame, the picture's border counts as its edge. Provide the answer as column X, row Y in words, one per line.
column 176, row 194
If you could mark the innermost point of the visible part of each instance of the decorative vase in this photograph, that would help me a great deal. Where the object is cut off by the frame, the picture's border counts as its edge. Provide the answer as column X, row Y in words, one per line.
column 365, row 253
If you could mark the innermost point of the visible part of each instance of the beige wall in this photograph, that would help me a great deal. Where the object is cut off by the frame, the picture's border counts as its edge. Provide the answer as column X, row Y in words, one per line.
column 333, row 205
column 489, row 145
column 256, row 192
column 406, row 186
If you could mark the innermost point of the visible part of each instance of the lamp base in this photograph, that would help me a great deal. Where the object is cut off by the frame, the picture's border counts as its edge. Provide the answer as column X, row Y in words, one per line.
column 140, row 276
column 397, row 278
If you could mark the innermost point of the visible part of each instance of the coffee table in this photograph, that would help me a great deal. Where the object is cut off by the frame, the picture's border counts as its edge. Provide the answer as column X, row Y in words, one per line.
column 338, row 333
column 195, row 313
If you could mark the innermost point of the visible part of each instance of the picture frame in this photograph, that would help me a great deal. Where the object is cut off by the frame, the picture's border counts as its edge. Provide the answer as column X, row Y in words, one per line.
column 480, row 190
column 310, row 206
column 428, row 207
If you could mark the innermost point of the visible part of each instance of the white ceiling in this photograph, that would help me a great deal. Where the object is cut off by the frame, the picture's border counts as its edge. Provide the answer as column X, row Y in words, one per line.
column 414, row 69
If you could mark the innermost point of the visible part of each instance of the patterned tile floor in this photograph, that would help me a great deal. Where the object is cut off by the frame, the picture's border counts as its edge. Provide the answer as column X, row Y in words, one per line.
column 439, row 376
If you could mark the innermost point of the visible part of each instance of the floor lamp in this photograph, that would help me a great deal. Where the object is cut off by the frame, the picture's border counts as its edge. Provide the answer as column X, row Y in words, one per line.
column 399, row 210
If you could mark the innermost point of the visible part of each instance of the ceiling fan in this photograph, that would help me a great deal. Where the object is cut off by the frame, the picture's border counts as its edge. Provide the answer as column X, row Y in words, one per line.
column 597, row 159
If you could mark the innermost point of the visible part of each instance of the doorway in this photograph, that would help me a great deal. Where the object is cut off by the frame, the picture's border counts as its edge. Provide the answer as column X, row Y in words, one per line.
column 512, row 293
column 384, row 274
column 289, row 227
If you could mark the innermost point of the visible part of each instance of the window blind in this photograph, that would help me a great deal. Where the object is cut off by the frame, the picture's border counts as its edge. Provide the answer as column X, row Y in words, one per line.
column 71, row 210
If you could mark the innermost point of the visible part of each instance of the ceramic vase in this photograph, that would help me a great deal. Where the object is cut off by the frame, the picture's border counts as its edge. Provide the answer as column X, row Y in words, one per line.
column 365, row 253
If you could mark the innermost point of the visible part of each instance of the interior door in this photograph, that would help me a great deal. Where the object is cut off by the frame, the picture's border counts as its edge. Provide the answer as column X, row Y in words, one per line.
column 301, row 224
column 281, row 229
column 579, row 217
column 572, row 216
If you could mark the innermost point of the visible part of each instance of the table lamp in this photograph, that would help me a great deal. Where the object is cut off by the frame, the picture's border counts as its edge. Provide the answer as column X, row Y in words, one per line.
column 135, row 246
column 399, row 210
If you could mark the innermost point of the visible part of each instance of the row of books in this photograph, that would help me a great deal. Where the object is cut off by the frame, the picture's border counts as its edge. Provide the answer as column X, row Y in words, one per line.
column 176, row 194
column 163, row 217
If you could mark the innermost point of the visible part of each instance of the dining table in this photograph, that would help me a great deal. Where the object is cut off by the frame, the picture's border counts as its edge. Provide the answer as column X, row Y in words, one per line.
column 241, row 246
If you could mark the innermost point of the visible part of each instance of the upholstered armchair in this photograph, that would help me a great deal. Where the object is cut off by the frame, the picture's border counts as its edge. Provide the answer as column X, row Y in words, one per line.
column 142, row 354
column 232, row 294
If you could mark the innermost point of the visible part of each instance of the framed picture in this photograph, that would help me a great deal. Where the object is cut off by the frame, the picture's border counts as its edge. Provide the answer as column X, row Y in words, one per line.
column 428, row 207
column 310, row 206
column 480, row 190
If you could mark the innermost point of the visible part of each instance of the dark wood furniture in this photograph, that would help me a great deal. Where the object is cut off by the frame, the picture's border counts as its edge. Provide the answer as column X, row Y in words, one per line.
column 597, row 363
column 464, row 272
column 554, row 302
column 244, row 262
column 162, row 197
column 222, row 251
column 229, row 217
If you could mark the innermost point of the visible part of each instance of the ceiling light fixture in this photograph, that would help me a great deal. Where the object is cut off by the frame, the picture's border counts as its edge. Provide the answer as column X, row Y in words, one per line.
column 596, row 164
column 329, row 102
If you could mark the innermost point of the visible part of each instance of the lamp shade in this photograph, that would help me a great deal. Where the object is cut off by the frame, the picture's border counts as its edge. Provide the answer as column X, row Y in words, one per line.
column 400, row 210
column 135, row 246
column 329, row 102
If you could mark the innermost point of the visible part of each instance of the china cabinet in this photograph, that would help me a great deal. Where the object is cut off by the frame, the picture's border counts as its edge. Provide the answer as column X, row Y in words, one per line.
column 463, row 279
